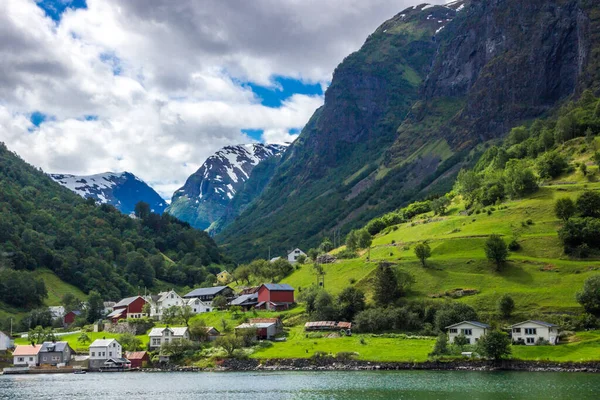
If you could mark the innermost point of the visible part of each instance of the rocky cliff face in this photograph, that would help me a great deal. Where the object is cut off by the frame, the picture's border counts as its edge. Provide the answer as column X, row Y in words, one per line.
column 403, row 113
column 207, row 193
column 121, row 189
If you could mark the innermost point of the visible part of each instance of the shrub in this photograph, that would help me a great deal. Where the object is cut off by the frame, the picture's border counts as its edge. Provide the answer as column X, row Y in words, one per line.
column 514, row 245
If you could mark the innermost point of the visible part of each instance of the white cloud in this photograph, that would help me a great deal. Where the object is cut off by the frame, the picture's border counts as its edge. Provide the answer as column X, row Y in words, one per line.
column 177, row 96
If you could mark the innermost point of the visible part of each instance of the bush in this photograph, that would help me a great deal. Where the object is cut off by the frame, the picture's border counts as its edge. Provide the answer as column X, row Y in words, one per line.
column 514, row 245
column 346, row 254
column 588, row 204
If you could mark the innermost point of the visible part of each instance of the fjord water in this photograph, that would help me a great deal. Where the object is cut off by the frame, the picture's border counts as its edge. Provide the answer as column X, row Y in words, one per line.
column 423, row 385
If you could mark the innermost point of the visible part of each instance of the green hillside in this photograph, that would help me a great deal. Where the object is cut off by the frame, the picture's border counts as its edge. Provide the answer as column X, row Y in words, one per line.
column 539, row 276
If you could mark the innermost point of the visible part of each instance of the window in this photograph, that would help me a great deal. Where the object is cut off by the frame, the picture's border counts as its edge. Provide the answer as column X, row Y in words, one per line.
column 21, row 359
column 93, row 354
column 530, row 340
column 110, row 353
column 467, row 332
column 453, row 330
column 516, row 330
column 44, row 358
column 30, row 358
column 530, row 331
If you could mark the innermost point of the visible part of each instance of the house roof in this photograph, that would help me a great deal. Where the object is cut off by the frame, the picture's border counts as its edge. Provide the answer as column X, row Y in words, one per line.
column 127, row 301
column 269, row 320
column 542, row 323
column 116, row 313
column 76, row 312
column 296, row 250
column 109, row 303
column 282, row 287
column 177, row 331
column 248, row 325
column 194, row 300
column 474, row 323
column 27, row 350
column 210, row 291
column 102, row 342
column 212, row 329
column 316, row 324
column 58, row 347
column 136, row 355
column 245, row 298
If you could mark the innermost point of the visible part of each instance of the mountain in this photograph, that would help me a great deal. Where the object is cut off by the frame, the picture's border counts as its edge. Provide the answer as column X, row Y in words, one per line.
column 413, row 106
column 46, row 227
column 208, row 193
column 121, row 189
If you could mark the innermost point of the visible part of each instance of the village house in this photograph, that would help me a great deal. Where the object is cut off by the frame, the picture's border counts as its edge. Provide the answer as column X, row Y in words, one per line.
column 207, row 295
column 212, row 333
column 160, row 302
column 275, row 296
column 294, row 254
column 57, row 311
column 531, row 332
column 224, row 277
column 246, row 301
column 328, row 326
column 138, row 358
column 160, row 336
column 264, row 330
column 55, row 353
column 471, row 330
column 70, row 317
column 5, row 342
column 198, row 306
column 276, row 321
column 26, row 355
column 130, row 307
column 102, row 350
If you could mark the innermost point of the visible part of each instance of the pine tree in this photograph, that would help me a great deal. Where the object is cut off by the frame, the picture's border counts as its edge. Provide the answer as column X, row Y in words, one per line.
column 385, row 285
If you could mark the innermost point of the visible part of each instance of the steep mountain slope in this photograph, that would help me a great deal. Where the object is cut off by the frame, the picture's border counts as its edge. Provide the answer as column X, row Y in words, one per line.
column 406, row 111
column 122, row 190
column 94, row 247
column 207, row 193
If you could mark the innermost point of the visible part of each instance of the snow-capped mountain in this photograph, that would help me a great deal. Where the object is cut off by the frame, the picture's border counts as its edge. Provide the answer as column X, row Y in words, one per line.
column 206, row 194
column 120, row 189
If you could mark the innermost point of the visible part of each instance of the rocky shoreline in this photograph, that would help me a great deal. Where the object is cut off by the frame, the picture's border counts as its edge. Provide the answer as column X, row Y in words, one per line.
column 237, row 365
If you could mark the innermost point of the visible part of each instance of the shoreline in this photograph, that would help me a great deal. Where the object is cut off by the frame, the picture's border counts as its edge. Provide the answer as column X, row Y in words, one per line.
column 302, row 364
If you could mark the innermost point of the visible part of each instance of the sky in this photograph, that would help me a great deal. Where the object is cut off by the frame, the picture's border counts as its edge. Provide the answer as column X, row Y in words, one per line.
column 154, row 87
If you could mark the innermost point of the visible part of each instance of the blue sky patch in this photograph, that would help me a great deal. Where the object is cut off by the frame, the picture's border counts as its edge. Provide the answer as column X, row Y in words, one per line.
column 37, row 118
column 111, row 59
column 255, row 134
column 285, row 88
column 55, row 8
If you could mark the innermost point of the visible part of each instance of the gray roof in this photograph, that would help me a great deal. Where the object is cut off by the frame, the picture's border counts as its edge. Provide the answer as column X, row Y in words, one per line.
column 476, row 323
column 58, row 347
column 177, row 331
column 103, row 342
column 126, row 301
column 209, row 291
column 279, row 286
column 542, row 323
column 250, row 298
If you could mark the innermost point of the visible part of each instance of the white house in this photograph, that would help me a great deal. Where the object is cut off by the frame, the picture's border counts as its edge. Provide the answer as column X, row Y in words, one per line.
column 108, row 307
column 294, row 254
column 57, row 311
column 5, row 341
column 159, row 303
column 198, row 306
column 102, row 350
column 26, row 355
column 160, row 336
column 530, row 332
column 472, row 330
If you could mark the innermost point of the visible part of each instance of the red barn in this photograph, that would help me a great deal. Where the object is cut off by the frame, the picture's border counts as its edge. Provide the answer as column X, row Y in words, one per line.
column 130, row 307
column 138, row 358
column 69, row 317
column 275, row 296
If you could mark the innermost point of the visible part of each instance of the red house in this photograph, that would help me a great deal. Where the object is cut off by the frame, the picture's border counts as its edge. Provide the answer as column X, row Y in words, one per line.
column 138, row 358
column 275, row 296
column 130, row 307
column 69, row 317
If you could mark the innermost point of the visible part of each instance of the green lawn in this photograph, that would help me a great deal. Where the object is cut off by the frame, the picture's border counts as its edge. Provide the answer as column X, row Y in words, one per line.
column 57, row 288
column 374, row 348
column 586, row 348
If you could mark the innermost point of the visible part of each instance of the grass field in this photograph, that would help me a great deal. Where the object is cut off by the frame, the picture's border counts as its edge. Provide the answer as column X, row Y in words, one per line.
column 368, row 347
column 585, row 347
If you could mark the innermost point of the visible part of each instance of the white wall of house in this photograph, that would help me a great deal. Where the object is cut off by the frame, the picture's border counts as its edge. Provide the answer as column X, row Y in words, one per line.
column 167, row 300
column 30, row 361
column 470, row 331
column 105, row 351
column 160, row 336
column 198, row 306
column 531, row 332
column 294, row 254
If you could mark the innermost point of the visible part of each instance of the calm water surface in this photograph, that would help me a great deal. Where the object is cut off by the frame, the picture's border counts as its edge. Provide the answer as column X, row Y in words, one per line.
column 304, row 385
